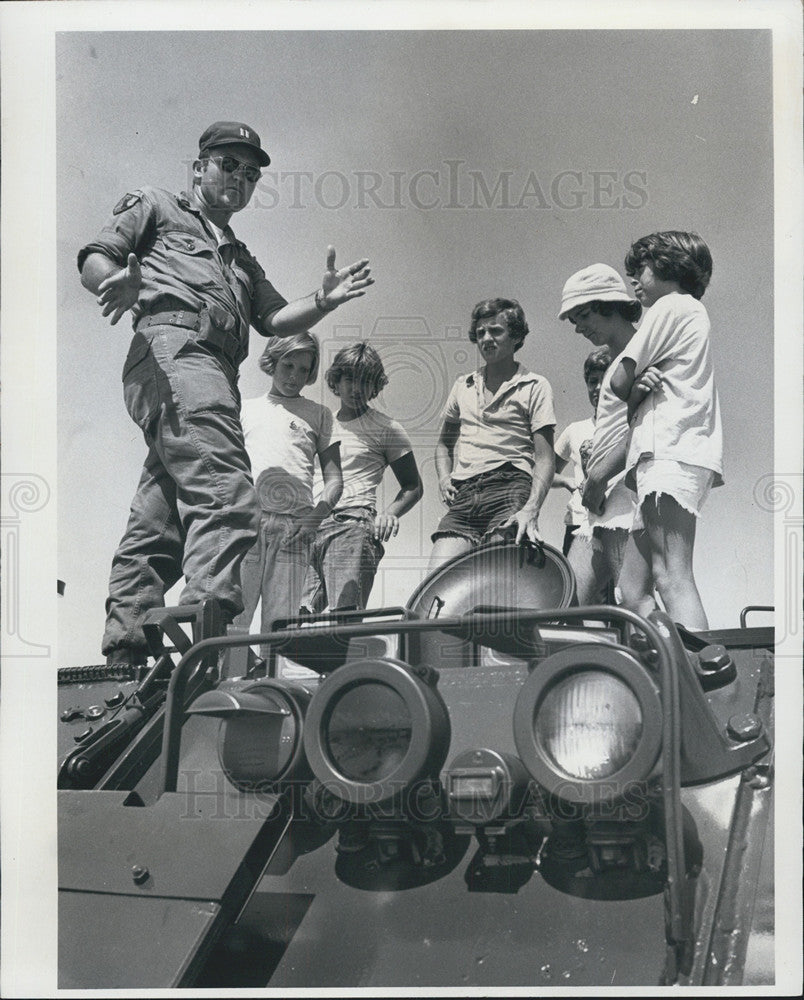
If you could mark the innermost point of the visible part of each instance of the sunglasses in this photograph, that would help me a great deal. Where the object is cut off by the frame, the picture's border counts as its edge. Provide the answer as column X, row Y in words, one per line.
column 230, row 165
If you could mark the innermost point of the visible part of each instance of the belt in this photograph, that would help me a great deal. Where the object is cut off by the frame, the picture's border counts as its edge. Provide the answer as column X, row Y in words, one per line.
column 505, row 467
column 176, row 317
column 210, row 334
column 364, row 514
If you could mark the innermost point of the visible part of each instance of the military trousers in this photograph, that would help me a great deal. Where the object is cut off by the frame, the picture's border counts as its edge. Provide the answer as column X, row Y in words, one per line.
column 195, row 512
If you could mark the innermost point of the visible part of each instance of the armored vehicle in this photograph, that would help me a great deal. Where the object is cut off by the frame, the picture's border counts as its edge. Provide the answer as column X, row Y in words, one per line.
column 487, row 787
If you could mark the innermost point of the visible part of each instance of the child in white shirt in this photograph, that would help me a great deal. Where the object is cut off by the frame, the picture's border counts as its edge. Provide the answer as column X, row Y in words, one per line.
column 676, row 442
column 574, row 445
column 284, row 432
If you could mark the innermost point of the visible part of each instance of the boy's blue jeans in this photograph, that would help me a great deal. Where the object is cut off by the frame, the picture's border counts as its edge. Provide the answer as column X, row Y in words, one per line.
column 484, row 502
column 273, row 573
column 343, row 563
column 195, row 512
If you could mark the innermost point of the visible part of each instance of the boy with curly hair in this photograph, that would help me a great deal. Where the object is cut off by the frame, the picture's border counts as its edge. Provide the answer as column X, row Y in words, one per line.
column 494, row 457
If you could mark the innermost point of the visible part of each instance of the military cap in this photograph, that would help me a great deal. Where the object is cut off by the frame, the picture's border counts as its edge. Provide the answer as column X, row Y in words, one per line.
column 230, row 134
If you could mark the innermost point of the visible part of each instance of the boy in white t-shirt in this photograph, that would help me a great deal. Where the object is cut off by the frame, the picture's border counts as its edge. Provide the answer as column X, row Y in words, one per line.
column 349, row 543
column 574, row 445
column 676, row 441
column 284, row 433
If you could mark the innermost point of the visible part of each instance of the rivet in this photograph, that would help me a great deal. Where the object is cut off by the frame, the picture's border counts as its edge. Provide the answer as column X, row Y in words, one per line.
column 140, row 874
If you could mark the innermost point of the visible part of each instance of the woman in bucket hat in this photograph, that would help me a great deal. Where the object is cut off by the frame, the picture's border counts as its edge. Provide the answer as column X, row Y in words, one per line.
column 597, row 303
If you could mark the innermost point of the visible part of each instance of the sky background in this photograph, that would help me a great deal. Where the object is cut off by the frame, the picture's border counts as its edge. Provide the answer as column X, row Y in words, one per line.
column 465, row 165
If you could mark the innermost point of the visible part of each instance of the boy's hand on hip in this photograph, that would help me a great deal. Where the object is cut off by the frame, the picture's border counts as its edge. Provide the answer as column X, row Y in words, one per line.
column 385, row 527
column 447, row 489
column 305, row 531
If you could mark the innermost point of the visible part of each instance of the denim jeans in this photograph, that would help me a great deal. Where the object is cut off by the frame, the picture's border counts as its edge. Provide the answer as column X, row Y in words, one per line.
column 195, row 512
column 484, row 502
column 273, row 573
column 344, row 562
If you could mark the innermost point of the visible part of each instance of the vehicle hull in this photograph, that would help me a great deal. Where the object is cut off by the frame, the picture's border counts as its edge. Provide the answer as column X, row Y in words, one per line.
column 319, row 919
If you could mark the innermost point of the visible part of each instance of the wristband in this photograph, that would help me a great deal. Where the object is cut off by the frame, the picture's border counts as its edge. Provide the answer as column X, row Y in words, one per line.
column 321, row 304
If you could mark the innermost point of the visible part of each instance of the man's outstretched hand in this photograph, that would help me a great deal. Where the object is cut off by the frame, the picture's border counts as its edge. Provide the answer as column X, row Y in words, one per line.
column 120, row 291
column 347, row 282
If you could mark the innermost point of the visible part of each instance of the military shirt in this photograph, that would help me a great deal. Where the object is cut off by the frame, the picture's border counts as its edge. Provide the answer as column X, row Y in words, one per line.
column 183, row 267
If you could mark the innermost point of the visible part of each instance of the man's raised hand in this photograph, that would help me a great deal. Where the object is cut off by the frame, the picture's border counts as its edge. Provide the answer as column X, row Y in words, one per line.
column 347, row 283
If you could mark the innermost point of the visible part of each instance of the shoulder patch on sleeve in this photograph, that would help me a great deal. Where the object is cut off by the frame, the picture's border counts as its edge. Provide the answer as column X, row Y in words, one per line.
column 126, row 202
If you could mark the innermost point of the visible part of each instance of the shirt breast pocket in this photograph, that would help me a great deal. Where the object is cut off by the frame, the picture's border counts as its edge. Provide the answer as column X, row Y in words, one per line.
column 191, row 257
column 179, row 242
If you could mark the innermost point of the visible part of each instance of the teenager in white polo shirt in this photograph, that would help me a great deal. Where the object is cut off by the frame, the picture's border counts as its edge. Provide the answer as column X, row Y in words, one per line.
column 494, row 457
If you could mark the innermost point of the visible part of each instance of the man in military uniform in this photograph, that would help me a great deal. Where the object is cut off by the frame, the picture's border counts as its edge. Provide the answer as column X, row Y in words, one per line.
column 193, row 290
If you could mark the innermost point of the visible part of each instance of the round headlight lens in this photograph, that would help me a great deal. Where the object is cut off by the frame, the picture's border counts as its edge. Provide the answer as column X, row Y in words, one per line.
column 589, row 725
column 376, row 728
column 368, row 731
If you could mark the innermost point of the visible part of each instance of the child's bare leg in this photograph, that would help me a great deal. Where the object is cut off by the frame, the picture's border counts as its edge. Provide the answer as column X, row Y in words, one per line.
column 636, row 579
column 589, row 568
column 445, row 548
column 671, row 531
column 612, row 542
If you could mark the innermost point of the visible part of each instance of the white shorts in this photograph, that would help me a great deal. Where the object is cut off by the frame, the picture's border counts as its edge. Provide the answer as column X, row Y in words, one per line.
column 688, row 485
column 618, row 511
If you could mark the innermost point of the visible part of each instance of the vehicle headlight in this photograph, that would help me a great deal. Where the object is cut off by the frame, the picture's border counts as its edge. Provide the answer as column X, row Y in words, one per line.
column 260, row 739
column 374, row 728
column 587, row 723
